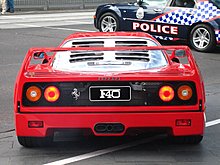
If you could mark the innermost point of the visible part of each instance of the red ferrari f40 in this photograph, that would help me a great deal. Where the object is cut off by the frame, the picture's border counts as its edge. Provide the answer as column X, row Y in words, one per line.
column 109, row 84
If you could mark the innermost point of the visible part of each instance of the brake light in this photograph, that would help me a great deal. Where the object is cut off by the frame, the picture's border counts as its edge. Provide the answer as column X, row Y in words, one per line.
column 51, row 93
column 184, row 92
column 33, row 93
column 166, row 93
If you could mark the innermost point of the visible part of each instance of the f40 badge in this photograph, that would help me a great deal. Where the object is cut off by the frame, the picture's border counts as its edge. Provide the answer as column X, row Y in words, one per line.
column 110, row 93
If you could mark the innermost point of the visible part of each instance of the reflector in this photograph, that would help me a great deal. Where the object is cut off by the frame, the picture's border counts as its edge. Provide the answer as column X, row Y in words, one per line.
column 184, row 92
column 35, row 124
column 33, row 93
column 183, row 122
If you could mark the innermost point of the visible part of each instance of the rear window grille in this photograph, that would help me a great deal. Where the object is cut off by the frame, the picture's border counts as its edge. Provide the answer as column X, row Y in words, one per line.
column 88, row 44
column 142, row 54
column 130, row 43
column 133, row 58
column 81, row 54
column 82, row 57
column 85, row 59
column 137, row 56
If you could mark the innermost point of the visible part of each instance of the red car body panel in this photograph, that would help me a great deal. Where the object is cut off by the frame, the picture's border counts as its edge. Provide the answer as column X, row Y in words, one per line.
column 70, row 117
column 130, row 120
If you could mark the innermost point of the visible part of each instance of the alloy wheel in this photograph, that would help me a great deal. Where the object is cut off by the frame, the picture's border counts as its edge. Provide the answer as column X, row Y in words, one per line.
column 201, row 38
column 108, row 24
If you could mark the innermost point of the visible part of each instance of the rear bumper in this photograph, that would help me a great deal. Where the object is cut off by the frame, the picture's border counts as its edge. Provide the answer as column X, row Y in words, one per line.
column 129, row 120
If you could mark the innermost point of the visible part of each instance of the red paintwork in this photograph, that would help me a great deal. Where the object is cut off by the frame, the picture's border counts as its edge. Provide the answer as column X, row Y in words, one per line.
column 87, row 117
column 88, row 120
column 126, row 34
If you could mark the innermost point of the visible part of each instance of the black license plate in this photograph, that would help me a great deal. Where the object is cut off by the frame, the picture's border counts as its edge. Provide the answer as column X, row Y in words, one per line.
column 110, row 93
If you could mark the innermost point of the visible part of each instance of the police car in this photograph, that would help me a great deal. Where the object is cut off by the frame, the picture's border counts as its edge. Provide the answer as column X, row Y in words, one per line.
column 194, row 21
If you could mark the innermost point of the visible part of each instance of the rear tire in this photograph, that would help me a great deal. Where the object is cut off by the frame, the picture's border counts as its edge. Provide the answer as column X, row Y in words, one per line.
column 202, row 38
column 186, row 139
column 30, row 142
column 108, row 22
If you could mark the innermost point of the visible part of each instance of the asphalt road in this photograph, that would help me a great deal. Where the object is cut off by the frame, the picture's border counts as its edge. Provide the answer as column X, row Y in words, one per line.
column 19, row 32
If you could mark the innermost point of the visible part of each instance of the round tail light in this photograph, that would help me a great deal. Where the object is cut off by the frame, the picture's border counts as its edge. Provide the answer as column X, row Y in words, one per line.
column 166, row 93
column 51, row 93
column 33, row 93
column 184, row 92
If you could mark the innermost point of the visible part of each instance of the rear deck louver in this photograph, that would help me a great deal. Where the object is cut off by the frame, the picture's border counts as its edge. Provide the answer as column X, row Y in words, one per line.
column 87, row 43
column 86, row 56
column 130, row 43
column 137, row 56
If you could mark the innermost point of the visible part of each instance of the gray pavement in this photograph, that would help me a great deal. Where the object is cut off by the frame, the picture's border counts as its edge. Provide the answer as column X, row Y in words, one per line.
column 50, row 31
column 45, row 19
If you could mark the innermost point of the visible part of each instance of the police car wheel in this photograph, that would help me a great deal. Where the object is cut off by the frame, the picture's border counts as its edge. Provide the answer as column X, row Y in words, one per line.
column 108, row 23
column 202, row 38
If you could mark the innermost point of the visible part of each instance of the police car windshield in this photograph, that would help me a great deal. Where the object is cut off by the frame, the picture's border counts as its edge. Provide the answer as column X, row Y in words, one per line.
column 155, row 2
column 217, row 3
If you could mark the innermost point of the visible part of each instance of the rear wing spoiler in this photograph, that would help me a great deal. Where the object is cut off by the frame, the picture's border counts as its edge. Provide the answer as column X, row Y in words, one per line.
column 175, row 52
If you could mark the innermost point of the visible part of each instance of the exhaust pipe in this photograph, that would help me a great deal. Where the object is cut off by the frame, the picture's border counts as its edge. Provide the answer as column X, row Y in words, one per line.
column 109, row 128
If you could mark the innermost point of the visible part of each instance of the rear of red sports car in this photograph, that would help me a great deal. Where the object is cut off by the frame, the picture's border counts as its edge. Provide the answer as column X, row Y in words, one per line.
column 109, row 85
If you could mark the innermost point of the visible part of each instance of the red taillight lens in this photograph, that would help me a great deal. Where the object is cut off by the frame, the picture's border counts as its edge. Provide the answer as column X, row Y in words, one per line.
column 184, row 92
column 33, row 93
column 166, row 93
column 51, row 93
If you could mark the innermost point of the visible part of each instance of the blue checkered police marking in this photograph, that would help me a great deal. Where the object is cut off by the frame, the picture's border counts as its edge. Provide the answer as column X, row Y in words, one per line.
column 188, row 16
